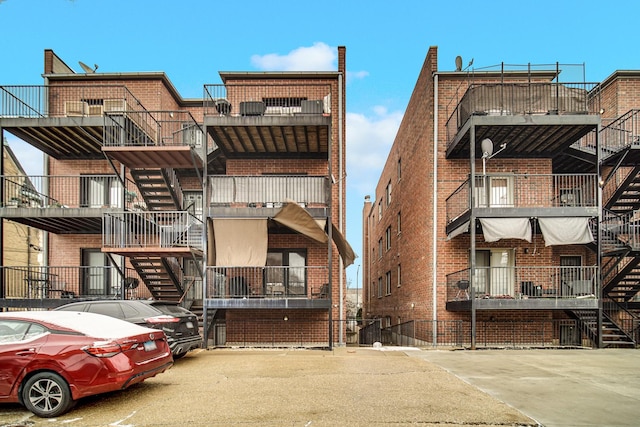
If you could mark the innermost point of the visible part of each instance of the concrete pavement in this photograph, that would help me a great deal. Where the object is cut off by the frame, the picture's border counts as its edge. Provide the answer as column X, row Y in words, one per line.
column 370, row 387
column 554, row 387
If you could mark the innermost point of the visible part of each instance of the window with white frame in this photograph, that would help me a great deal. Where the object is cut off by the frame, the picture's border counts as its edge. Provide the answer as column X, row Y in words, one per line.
column 388, row 283
column 399, row 275
column 379, row 287
column 388, row 193
column 399, row 222
column 387, row 235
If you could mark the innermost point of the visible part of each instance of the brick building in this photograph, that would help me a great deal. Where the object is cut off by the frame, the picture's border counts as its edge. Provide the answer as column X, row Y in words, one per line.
column 225, row 204
column 506, row 212
column 21, row 244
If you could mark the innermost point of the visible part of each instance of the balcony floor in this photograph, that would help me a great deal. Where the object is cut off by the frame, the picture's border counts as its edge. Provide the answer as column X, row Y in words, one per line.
column 525, row 304
column 266, row 303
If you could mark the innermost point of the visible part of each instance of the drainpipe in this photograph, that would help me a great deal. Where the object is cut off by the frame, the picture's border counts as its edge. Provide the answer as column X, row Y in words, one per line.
column 434, row 242
column 340, row 197
column 472, row 229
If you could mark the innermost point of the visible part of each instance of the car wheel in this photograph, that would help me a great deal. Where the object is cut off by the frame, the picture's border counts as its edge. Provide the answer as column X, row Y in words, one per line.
column 179, row 355
column 47, row 395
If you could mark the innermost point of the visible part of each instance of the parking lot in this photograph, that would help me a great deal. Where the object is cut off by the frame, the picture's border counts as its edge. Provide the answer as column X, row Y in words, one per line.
column 370, row 387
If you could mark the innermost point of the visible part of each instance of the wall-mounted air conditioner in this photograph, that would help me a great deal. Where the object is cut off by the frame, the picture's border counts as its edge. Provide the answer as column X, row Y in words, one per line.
column 115, row 105
column 75, row 108
column 95, row 110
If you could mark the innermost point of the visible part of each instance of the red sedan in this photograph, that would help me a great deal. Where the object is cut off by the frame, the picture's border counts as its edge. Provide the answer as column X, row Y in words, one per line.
column 50, row 359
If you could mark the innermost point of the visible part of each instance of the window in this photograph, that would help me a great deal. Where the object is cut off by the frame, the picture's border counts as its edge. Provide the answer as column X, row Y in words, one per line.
column 494, row 191
column 379, row 287
column 399, row 276
column 388, row 283
column 380, row 210
column 380, row 248
column 399, row 223
column 97, row 191
column 285, row 272
column 388, row 193
column 387, row 235
column 399, row 169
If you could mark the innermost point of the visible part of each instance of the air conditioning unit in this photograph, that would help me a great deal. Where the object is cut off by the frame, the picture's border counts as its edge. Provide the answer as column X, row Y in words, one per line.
column 115, row 105
column 95, row 110
column 75, row 108
column 312, row 107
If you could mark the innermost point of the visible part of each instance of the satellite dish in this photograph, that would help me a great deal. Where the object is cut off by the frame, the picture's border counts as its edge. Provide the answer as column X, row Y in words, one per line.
column 458, row 63
column 487, row 147
column 88, row 69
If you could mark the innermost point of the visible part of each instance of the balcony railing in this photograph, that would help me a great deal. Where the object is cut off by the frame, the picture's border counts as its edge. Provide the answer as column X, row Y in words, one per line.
column 267, row 282
column 127, row 127
column 79, row 191
column 269, row 191
column 620, row 230
column 524, row 191
column 524, row 282
column 39, row 282
column 509, row 99
column 166, row 229
column 272, row 99
column 65, row 100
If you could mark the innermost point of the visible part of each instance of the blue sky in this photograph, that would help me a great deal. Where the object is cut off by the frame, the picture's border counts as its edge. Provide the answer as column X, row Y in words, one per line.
column 192, row 40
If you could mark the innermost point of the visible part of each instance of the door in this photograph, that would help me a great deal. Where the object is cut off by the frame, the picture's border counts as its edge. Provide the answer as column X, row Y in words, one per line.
column 494, row 274
column 494, row 191
column 100, row 277
column 285, row 273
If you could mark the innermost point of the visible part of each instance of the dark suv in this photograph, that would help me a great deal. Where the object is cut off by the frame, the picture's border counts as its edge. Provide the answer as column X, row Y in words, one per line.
column 179, row 324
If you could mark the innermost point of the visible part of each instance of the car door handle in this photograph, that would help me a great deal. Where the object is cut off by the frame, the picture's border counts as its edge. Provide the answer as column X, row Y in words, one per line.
column 27, row 352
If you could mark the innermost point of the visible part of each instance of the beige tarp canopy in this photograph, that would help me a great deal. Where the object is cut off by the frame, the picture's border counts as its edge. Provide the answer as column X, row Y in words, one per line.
column 297, row 218
column 238, row 242
column 244, row 242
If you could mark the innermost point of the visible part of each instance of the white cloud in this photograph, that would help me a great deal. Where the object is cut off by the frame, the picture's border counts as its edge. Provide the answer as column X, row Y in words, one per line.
column 368, row 142
column 319, row 57
column 29, row 157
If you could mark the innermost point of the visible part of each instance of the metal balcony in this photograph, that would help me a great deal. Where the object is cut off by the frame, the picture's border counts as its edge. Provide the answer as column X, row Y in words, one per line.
column 275, row 119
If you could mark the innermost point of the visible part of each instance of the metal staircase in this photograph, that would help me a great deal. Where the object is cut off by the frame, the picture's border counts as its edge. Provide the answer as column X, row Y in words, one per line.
column 158, row 188
column 159, row 277
column 161, row 191
column 612, row 334
column 620, row 229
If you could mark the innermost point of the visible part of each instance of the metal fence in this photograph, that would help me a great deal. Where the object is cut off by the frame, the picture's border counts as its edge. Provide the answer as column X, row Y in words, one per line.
column 489, row 334
column 272, row 99
column 166, row 229
column 267, row 191
column 508, row 99
column 524, row 282
column 267, row 282
column 65, row 100
column 44, row 282
column 524, row 191
column 75, row 191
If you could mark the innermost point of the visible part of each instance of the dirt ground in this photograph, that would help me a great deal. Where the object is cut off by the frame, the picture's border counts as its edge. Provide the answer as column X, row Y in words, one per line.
column 289, row 387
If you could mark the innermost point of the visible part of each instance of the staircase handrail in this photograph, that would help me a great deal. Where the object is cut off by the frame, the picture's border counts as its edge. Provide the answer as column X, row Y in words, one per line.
column 617, row 314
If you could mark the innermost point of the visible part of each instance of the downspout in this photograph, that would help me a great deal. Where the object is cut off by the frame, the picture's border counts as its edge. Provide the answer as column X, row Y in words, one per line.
column 340, row 198
column 434, row 231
